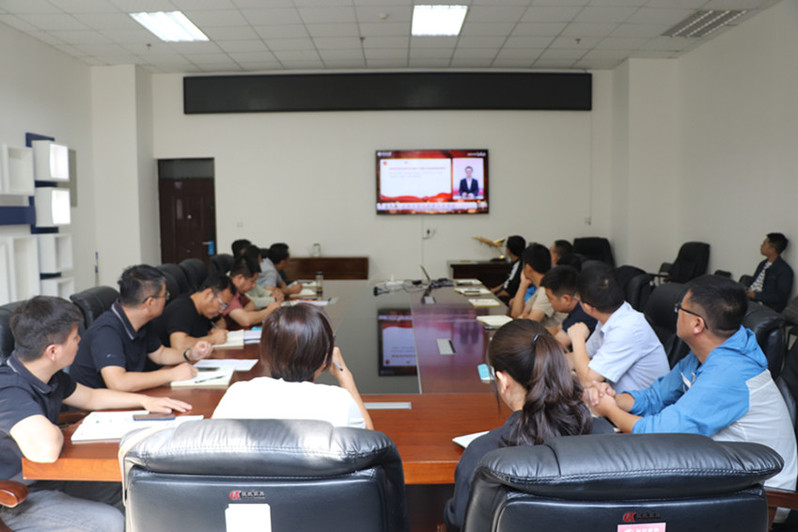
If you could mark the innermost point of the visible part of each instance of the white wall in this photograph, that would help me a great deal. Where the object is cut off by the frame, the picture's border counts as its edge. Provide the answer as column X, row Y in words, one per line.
column 46, row 92
column 310, row 177
column 739, row 139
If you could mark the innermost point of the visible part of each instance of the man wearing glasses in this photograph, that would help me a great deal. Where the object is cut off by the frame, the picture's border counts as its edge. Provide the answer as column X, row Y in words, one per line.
column 116, row 347
column 197, row 317
column 721, row 389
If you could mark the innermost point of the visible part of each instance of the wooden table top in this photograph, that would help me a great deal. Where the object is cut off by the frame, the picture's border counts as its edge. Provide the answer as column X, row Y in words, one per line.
column 454, row 401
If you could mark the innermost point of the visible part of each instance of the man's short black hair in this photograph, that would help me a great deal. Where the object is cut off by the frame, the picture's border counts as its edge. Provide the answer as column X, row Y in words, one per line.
column 538, row 257
column 562, row 247
column 278, row 252
column 239, row 246
column 138, row 283
column 243, row 266
column 599, row 288
column 516, row 245
column 42, row 321
column 722, row 303
column 218, row 283
column 253, row 255
column 571, row 259
column 561, row 280
column 778, row 241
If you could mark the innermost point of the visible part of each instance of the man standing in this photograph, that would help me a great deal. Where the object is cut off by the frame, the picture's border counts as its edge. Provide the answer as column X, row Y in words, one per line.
column 32, row 390
column 721, row 389
column 469, row 187
column 194, row 318
column 624, row 348
column 118, row 344
column 773, row 277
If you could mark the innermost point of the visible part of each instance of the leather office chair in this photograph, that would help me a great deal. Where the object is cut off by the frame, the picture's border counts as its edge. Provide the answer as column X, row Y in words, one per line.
column 594, row 248
column 12, row 493
column 312, row 475
column 691, row 262
column 221, row 263
column 92, row 302
column 196, row 272
column 637, row 285
column 766, row 324
column 176, row 280
column 659, row 314
column 600, row 482
column 788, row 386
column 6, row 338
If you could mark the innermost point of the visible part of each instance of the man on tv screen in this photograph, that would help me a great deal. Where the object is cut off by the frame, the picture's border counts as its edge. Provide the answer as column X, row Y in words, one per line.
column 469, row 187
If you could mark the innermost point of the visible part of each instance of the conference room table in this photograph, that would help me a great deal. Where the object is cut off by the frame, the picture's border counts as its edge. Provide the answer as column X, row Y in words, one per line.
column 421, row 409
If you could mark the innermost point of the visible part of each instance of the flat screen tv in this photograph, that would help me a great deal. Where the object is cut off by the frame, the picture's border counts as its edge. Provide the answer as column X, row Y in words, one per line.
column 432, row 181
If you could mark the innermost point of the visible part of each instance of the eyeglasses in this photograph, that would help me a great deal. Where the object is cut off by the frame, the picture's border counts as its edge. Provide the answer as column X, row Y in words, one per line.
column 678, row 306
column 165, row 296
column 222, row 304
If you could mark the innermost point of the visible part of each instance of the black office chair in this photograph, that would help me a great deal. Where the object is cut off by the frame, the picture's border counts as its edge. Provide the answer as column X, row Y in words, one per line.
column 92, row 302
column 594, row 248
column 660, row 315
column 767, row 324
column 788, row 386
column 221, row 263
column 196, row 272
column 600, row 482
column 6, row 338
column 312, row 475
column 178, row 284
column 637, row 285
column 691, row 262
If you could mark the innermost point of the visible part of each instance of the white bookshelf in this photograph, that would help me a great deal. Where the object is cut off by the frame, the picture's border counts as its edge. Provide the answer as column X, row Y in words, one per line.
column 24, row 261
column 5, row 275
column 16, row 171
column 52, row 207
column 50, row 161
column 55, row 252
column 62, row 287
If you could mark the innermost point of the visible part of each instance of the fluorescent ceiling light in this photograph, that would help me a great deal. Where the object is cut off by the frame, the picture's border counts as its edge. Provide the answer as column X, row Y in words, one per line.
column 702, row 23
column 438, row 20
column 171, row 26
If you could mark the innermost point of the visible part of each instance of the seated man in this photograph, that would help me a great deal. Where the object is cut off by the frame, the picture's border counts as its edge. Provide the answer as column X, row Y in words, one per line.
column 721, row 389
column 260, row 295
column 560, row 286
column 239, row 246
column 515, row 246
column 537, row 262
column 277, row 260
column 32, row 389
column 197, row 317
column 242, row 310
column 559, row 249
column 623, row 349
column 773, row 277
column 116, row 347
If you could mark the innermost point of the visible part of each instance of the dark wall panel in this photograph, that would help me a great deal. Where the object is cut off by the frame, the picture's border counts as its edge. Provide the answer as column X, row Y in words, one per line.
column 386, row 91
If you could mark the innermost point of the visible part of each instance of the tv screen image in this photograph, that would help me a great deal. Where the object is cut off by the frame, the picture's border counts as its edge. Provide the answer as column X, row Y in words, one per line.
column 432, row 181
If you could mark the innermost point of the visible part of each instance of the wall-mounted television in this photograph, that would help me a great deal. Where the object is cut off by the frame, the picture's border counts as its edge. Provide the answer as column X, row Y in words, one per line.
column 432, row 181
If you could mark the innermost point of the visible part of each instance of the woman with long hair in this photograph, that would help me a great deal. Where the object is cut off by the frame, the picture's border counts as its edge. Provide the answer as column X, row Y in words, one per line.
column 297, row 346
column 534, row 380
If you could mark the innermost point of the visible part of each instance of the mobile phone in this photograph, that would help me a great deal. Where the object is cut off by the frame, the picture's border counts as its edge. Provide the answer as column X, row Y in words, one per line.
column 154, row 416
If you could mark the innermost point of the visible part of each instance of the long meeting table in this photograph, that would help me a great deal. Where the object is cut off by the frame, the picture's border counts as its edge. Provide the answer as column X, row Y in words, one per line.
column 420, row 408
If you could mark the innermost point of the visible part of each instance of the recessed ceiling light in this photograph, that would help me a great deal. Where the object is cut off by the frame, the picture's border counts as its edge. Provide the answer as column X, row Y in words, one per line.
column 170, row 26
column 438, row 20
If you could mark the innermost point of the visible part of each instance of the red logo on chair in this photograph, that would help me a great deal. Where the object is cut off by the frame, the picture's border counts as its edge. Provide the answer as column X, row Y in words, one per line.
column 629, row 517
column 235, row 495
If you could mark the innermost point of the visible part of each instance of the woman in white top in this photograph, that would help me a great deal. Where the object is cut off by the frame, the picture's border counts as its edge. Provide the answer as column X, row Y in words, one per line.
column 297, row 346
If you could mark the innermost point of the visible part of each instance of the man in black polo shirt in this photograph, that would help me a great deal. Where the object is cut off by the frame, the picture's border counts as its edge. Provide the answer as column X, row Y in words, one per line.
column 193, row 318
column 32, row 389
column 115, row 348
column 560, row 285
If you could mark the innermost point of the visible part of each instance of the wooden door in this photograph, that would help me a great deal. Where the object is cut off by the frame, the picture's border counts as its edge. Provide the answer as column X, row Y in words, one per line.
column 188, row 219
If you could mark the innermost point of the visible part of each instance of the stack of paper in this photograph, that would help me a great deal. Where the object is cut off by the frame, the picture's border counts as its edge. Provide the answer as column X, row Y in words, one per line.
column 472, row 290
column 467, row 282
column 494, row 322
column 105, row 426
column 237, row 339
column 484, row 302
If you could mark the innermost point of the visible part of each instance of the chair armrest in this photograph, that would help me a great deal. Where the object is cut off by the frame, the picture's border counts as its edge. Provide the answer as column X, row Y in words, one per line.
column 12, row 493
column 778, row 498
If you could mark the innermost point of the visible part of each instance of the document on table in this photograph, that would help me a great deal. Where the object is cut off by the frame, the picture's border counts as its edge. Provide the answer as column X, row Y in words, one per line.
column 484, row 302
column 465, row 440
column 494, row 321
column 109, row 426
column 237, row 339
column 238, row 364
column 467, row 282
column 204, row 379
column 472, row 291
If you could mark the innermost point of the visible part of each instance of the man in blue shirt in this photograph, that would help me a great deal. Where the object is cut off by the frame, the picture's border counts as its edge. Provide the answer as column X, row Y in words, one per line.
column 721, row 389
column 32, row 389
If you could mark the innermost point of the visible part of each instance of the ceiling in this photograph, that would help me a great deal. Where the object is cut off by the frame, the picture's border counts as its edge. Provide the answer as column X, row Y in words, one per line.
column 277, row 35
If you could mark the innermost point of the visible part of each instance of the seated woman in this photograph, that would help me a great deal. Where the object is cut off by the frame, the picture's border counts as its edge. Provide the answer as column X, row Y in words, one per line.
column 296, row 346
column 534, row 380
